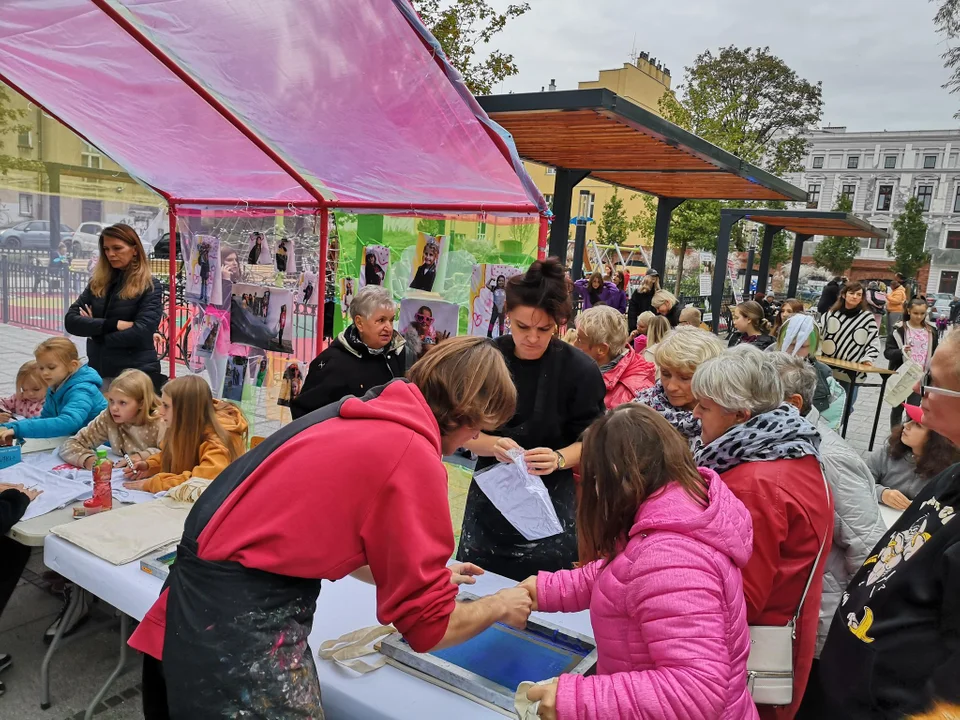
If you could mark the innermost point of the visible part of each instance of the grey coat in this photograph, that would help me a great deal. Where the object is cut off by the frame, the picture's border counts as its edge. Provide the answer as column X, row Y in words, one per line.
column 857, row 525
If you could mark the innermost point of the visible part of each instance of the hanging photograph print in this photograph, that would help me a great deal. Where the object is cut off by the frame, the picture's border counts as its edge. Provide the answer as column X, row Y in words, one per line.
column 261, row 368
column 291, row 384
column 347, row 290
column 307, row 287
column 284, row 259
column 488, row 300
column 426, row 259
column 424, row 323
column 376, row 259
column 203, row 271
column 262, row 317
column 258, row 252
column 234, row 377
column 208, row 330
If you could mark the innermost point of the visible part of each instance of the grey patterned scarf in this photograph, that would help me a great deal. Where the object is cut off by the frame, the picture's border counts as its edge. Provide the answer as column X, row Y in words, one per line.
column 780, row 434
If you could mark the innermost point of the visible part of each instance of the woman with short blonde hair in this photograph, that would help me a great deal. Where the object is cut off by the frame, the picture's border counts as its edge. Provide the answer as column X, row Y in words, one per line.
column 602, row 334
column 666, row 303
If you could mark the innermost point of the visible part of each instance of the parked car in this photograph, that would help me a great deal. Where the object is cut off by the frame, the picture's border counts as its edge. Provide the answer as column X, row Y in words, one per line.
column 161, row 250
column 33, row 234
column 86, row 240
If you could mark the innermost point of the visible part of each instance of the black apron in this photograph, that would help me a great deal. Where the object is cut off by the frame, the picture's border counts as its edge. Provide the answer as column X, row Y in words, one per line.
column 235, row 644
column 487, row 538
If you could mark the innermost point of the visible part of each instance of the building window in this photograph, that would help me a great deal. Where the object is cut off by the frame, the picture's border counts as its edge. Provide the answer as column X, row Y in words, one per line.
column 853, row 162
column 953, row 240
column 25, row 139
column 890, row 162
column 948, row 282
column 90, row 157
column 956, row 200
column 884, row 197
column 587, row 200
column 481, row 231
column 813, row 196
column 878, row 243
column 925, row 195
column 26, row 205
column 551, row 171
column 849, row 192
column 929, row 162
column 818, row 161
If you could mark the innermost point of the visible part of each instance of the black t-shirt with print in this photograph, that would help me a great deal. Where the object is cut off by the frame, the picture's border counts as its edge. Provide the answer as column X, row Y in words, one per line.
column 894, row 645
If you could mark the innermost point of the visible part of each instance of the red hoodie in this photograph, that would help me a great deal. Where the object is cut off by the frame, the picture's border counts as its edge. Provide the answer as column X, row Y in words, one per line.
column 365, row 488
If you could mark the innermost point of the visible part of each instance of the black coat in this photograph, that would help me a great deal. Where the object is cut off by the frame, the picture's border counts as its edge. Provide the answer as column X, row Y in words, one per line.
column 831, row 291
column 345, row 368
column 111, row 351
column 761, row 342
column 639, row 303
column 674, row 315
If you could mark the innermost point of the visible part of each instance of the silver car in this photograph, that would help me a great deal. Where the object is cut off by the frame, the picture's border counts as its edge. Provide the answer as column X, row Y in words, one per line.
column 34, row 235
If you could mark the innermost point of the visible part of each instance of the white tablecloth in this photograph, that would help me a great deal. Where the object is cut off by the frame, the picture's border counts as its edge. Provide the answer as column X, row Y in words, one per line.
column 889, row 515
column 346, row 605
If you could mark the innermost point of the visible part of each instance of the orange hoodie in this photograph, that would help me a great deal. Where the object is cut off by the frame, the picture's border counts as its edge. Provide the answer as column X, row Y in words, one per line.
column 214, row 455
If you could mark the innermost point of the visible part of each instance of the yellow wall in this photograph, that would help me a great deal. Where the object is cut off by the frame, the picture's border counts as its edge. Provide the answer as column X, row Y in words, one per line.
column 642, row 84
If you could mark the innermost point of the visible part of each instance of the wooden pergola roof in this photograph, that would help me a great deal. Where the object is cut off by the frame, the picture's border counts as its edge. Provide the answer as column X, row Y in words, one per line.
column 811, row 222
column 619, row 142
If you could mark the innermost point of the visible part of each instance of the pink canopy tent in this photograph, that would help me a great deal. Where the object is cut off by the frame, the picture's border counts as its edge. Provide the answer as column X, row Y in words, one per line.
column 344, row 104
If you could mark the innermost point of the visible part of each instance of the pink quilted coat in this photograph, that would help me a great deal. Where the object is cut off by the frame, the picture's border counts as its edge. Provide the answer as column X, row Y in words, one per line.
column 668, row 614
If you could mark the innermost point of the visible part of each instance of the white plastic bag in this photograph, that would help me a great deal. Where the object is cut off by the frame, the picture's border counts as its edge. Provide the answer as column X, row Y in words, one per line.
column 521, row 497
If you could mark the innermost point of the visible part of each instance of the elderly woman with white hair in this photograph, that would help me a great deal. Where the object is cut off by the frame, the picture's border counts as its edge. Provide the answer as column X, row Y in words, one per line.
column 678, row 356
column 367, row 354
column 768, row 455
column 602, row 334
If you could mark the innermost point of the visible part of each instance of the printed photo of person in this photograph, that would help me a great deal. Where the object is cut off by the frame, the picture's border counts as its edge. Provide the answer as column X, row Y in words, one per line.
column 499, row 289
column 291, row 384
column 425, row 324
column 488, row 300
column 376, row 258
column 346, row 295
column 429, row 248
column 234, row 377
column 262, row 317
column 307, row 287
column 202, row 279
column 257, row 245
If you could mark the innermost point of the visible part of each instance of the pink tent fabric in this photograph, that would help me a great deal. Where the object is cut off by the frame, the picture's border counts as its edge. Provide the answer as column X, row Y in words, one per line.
column 341, row 101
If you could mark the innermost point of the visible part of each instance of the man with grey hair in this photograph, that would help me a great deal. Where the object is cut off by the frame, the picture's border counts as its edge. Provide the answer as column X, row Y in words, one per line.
column 857, row 524
column 768, row 456
column 894, row 644
column 368, row 353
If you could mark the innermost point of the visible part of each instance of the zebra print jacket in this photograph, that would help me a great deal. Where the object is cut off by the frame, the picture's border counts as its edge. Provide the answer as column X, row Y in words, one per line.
column 849, row 336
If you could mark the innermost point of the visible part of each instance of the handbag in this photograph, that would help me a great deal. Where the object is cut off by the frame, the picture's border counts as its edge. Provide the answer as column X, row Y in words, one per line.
column 770, row 663
column 901, row 385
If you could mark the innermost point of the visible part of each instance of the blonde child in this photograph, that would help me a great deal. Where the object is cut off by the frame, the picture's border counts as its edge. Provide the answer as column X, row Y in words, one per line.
column 131, row 423
column 27, row 401
column 73, row 397
column 202, row 437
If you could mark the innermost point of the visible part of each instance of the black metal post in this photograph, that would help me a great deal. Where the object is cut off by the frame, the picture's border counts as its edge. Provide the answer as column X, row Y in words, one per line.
column 766, row 249
column 795, row 265
column 751, row 251
column 661, row 234
column 563, row 184
column 579, row 246
column 53, row 173
column 5, row 288
column 727, row 222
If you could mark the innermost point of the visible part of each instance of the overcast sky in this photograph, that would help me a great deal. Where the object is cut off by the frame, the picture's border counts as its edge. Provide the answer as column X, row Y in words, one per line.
column 879, row 60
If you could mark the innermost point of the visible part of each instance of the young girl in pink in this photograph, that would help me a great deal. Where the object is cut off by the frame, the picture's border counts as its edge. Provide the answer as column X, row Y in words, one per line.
column 662, row 544
column 27, row 401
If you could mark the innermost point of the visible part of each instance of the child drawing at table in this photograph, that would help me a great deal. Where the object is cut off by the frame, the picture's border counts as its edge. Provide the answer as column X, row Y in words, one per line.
column 73, row 397
column 27, row 400
column 14, row 500
column 131, row 424
column 202, row 437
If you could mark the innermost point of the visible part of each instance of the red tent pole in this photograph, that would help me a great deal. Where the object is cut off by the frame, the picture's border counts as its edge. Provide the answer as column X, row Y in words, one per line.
column 542, row 239
column 322, row 274
column 462, row 207
column 172, row 308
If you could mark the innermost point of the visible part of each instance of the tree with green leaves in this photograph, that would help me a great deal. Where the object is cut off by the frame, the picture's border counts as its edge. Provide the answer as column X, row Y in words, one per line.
column 463, row 27
column 911, row 234
column 12, row 122
column 947, row 21
column 836, row 253
column 613, row 227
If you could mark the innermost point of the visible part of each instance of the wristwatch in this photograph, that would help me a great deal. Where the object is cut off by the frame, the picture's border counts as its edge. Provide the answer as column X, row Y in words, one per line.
column 561, row 460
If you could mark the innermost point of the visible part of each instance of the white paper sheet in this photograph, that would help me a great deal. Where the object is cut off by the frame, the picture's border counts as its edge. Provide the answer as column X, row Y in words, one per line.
column 521, row 497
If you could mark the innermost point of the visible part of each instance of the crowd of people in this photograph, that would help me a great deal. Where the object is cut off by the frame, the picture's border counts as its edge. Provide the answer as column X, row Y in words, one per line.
column 711, row 517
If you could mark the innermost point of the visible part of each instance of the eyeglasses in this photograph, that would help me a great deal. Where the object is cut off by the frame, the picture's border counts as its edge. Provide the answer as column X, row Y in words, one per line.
column 427, row 320
column 926, row 387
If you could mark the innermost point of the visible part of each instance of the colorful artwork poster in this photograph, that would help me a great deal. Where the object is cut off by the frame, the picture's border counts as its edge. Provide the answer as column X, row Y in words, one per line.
column 488, row 300
column 307, row 288
column 430, row 320
column 376, row 260
column 234, row 377
column 426, row 260
column 283, row 257
column 258, row 250
column 202, row 276
column 291, row 384
column 262, row 317
column 347, row 291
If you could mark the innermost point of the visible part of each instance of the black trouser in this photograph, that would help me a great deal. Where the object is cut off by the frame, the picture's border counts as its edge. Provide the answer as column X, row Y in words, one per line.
column 814, row 705
column 13, row 559
column 154, row 690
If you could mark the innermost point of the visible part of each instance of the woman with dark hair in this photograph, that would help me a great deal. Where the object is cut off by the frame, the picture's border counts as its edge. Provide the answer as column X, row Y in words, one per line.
column 372, row 274
column 788, row 308
column 119, row 311
column 642, row 297
column 595, row 290
column 560, row 391
column 256, row 248
column 915, row 338
column 848, row 331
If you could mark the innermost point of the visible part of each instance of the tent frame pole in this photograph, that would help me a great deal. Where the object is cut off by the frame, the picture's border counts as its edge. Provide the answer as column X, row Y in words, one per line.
column 172, row 299
column 324, row 216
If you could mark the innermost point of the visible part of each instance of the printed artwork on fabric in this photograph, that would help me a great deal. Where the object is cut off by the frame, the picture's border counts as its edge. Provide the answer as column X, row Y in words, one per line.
column 284, row 258
column 202, row 277
column 780, row 434
column 431, row 321
column 347, row 291
column 901, row 546
column 427, row 260
column 234, row 377
column 262, row 317
column 307, row 287
column 376, row 260
column 259, row 250
column 291, row 384
column 488, row 300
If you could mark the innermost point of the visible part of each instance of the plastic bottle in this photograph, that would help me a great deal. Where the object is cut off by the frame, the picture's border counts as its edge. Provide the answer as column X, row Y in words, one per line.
column 102, row 488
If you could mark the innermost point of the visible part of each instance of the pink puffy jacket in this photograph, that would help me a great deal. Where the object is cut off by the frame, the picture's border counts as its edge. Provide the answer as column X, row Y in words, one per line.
column 668, row 614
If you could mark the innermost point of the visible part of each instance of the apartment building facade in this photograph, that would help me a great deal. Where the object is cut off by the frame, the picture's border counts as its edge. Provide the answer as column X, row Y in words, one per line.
column 879, row 172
